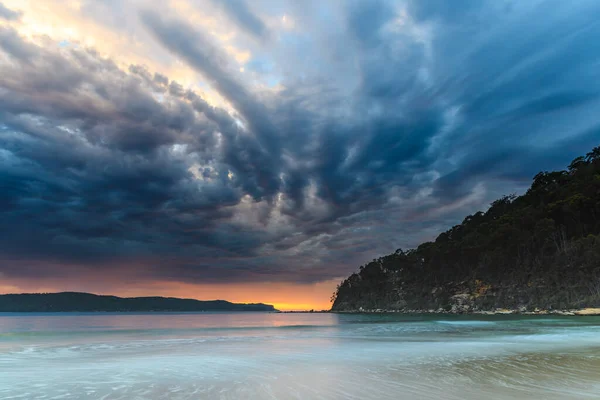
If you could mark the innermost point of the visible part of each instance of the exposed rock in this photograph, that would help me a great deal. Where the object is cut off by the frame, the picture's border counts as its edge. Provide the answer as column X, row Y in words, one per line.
column 587, row 311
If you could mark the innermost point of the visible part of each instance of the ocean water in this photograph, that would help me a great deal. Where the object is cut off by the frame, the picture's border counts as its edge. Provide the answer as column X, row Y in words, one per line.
column 297, row 356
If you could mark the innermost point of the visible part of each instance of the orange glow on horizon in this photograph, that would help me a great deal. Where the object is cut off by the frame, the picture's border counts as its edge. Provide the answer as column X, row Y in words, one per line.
column 283, row 296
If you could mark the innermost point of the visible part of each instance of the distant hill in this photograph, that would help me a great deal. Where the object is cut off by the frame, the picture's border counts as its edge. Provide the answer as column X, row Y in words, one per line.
column 539, row 250
column 73, row 301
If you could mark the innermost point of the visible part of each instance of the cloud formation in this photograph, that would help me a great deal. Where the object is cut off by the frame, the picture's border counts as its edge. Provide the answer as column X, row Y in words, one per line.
column 309, row 139
column 8, row 14
column 240, row 13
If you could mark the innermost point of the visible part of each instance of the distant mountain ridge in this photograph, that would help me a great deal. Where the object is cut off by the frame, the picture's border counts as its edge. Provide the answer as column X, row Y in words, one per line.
column 539, row 251
column 83, row 302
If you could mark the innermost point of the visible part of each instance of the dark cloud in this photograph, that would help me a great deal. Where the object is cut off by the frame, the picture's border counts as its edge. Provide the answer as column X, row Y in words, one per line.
column 13, row 45
column 387, row 126
column 8, row 14
column 239, row 12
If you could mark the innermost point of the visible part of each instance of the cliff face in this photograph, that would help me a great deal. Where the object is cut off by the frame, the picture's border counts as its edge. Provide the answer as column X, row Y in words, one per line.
column 539, row 250
column 467, row 297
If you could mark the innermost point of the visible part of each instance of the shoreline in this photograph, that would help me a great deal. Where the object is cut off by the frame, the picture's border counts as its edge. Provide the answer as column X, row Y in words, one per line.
column 500, row 311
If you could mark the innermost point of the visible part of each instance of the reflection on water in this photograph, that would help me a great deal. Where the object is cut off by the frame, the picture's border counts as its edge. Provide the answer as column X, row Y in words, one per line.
column 13, row 322
column 297, row 356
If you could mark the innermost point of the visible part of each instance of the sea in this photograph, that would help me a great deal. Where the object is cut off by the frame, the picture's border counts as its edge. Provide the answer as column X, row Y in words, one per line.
column 297, row 356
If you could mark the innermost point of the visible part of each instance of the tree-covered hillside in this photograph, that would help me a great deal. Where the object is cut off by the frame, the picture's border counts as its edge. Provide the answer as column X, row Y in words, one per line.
column 538, row 250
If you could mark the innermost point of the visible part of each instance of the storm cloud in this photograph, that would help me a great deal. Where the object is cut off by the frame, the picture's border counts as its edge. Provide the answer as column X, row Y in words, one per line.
column 316, row 136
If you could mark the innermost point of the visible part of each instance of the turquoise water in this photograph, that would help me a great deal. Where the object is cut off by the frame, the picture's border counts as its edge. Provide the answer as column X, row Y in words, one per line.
column 297, row 356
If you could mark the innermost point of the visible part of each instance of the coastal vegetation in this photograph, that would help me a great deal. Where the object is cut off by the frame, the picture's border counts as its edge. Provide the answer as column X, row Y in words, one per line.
column 540, row 250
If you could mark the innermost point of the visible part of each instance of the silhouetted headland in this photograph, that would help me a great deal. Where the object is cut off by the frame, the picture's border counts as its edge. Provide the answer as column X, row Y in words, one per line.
column 87, row 302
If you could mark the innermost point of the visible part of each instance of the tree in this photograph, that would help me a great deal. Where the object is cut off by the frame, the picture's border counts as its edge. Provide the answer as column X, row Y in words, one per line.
column 576, row 164
column 593, row 155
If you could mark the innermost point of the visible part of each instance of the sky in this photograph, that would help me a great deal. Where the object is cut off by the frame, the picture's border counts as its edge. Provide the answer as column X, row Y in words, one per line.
column 261, row 150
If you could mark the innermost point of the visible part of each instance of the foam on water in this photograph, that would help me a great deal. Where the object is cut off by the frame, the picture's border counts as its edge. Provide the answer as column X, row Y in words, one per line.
column 297, row 356
column 466, row 323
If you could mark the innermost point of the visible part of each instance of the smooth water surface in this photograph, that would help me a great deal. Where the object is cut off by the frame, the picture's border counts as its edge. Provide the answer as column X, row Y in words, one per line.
column 297, row 356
